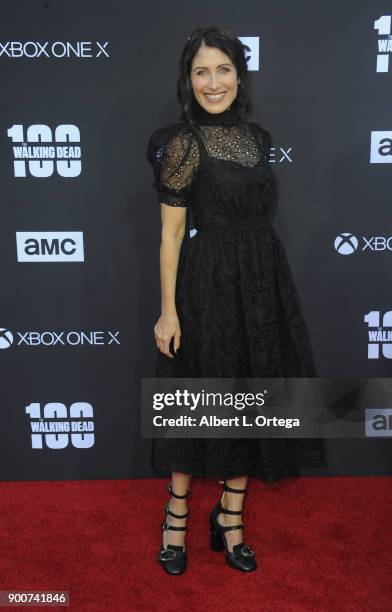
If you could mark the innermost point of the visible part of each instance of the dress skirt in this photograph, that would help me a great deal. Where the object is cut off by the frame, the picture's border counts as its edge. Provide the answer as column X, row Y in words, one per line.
column 240, row 316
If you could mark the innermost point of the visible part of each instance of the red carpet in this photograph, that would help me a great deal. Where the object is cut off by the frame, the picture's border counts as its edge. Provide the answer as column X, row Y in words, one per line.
column 321, row 544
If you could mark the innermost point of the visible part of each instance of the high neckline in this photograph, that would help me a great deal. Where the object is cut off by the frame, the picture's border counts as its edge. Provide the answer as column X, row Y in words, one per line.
column 228, row 117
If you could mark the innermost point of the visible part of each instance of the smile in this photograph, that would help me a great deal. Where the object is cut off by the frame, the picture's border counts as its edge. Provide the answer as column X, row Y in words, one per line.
column 215, row 97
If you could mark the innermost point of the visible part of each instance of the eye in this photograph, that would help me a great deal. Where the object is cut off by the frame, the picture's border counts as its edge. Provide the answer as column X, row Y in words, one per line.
column 224, row 68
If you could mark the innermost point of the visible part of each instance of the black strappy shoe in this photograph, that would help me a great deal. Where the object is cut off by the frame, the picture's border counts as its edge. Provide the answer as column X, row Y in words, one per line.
column 242, row 557
column 173, row 558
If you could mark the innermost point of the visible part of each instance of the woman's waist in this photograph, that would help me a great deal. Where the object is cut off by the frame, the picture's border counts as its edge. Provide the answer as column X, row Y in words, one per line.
column 256, row 223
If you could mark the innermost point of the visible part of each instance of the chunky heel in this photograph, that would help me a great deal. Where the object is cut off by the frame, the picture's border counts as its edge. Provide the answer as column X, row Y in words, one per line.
column 216, row 542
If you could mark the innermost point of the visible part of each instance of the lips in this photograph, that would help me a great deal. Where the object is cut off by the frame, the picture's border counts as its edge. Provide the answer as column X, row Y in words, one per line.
column 215, row 97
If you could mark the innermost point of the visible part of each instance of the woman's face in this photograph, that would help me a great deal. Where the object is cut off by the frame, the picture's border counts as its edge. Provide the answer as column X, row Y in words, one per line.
column 213, row 72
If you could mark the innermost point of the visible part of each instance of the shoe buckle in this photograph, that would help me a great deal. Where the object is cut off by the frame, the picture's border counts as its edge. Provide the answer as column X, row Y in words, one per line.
column 247, row 551
column 167, row 555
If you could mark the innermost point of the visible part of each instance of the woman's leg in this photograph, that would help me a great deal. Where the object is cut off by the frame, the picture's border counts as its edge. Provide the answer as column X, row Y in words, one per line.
column 180, row 485
column 233, row 501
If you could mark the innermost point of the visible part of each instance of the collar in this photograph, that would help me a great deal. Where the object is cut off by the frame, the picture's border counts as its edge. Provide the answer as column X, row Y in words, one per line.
column 228, row 117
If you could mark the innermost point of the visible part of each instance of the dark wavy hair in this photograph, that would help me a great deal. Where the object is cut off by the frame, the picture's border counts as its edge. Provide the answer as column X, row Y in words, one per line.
column 223, row 39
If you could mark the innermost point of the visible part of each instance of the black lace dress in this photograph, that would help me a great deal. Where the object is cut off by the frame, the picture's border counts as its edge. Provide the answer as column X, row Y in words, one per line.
column 238, row 308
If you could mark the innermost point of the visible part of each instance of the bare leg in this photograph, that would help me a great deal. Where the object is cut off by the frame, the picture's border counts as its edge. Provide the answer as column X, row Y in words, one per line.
column 233, row 501
column 180, row 486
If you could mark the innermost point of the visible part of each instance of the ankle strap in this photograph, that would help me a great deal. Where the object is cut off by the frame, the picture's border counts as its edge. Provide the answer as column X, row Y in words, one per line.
column 179, row 516
column 231, row 490
column 231, row 527
column 170, row 489
column 166, row 526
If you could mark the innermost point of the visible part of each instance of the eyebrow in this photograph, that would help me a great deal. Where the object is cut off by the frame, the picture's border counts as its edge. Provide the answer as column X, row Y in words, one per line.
column 225, row 64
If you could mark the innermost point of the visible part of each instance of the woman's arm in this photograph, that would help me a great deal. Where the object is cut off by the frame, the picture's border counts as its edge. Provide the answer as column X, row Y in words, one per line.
column 173, row 231
column 174, row 154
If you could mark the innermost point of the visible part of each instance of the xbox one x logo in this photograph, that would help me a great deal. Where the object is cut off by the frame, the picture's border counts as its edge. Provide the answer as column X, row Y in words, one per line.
column 64, row 338
column 346, row 243
column 6, row 338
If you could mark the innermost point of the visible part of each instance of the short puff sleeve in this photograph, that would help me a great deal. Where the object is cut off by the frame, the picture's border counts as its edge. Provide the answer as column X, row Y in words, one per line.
column 173, row 152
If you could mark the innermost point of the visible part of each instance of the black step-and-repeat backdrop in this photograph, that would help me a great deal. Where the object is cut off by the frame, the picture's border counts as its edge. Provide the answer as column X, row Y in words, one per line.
column 83, row 86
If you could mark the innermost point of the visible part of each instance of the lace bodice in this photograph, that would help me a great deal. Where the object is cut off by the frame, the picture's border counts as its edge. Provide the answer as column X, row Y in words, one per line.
column 179, row 151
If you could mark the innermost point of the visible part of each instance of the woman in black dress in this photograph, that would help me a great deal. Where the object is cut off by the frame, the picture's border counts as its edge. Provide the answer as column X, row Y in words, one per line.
column 229, row 304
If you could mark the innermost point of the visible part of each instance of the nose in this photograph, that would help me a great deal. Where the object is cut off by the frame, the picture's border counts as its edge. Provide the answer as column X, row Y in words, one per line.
column 214, row 81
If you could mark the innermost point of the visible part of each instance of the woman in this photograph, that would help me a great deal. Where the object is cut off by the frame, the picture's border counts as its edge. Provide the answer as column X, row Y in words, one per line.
column 229, row 305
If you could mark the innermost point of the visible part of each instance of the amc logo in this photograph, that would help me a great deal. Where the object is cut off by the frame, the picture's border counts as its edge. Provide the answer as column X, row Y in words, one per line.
column 49, row 246
column 378, row 422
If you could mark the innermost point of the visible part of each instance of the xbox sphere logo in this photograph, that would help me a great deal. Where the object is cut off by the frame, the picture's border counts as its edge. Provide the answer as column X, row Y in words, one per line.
column 6, row 338
column 346, row 243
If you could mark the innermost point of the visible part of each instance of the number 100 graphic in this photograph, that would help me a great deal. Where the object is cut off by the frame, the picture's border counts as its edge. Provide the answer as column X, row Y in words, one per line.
column 43, row 153
column 56, row 428
column 381, row 335
column 383, row 27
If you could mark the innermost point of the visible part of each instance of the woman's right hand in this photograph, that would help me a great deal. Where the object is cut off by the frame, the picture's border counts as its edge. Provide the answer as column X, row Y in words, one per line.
column 165, row 328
